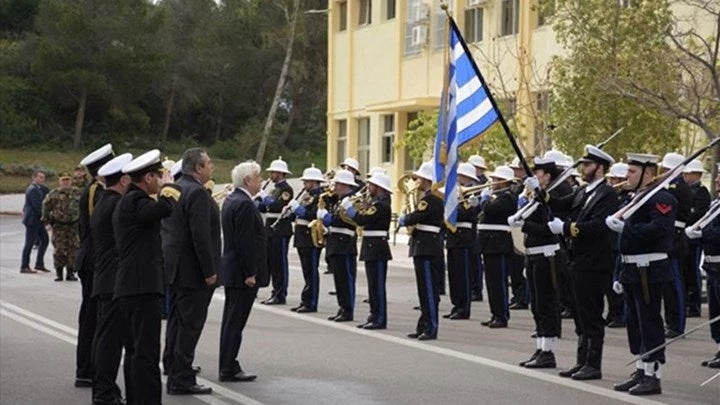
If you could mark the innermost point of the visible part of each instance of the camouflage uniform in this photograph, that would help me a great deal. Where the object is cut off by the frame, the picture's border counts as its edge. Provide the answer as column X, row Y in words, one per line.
column 61, row 210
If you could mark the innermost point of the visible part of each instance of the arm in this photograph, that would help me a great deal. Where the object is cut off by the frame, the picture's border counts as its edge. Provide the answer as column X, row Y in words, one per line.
column 150, row 211
column 594, row 225
column 662, row 221
column 46, row 210
column 503, row 206
column 35, row 200
column 200, row 209
column 244, row 238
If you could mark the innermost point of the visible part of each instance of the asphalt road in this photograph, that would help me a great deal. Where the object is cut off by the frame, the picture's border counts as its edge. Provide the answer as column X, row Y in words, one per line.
column 305, row 359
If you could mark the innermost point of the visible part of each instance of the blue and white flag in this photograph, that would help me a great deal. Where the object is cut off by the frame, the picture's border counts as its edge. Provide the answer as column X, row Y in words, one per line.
column 466, row 115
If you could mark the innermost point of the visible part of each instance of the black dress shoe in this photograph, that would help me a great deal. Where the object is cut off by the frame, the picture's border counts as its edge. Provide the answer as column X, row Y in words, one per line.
column 71, row 277
column 488, row 322
column 616, row 324
column 362, row 325
column 459, row 315
column 42, row 268
column 27, row 270
column 426, row 336
column 332, row 318
column 477, row 296
column 497, row 323
column 304, row 310
column 344, row 318
column 196, row 389
column 239, row 376
column 671, row 334
column 694, row 314
column 649, row 385
column 566, row 314
column 587, row 373
column 116, row 401
column 446, row 316
column 714, row 364
column 275, row 301
column 543, row 360
column 374, row 326
column 518, row 305
column 634, row 380
column 572, row 370
column 533, row 357
column 294, row 309
column 413, row 335
column 705, row 362
column 416, row 307
column 83, row 382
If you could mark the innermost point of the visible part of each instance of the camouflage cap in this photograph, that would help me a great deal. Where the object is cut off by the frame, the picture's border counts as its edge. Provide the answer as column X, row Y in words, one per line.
column 64, row 176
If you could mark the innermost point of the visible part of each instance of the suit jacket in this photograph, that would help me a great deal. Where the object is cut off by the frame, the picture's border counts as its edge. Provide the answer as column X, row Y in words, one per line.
column 191, row 243
column 32, row 210
column 85, row 258
column 244, row 247
column 105, row 250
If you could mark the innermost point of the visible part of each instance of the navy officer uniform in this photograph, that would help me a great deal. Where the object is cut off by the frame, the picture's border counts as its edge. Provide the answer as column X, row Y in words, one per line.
column 701, row 202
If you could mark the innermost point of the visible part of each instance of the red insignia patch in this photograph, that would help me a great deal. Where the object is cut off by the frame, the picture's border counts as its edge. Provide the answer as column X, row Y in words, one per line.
column 663, row 208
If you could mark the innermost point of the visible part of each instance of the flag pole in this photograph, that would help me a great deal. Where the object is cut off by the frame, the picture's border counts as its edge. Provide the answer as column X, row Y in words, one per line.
column 445, row 95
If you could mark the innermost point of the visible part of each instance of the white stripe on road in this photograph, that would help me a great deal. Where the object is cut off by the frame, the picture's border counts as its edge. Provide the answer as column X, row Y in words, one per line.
column 22, row 316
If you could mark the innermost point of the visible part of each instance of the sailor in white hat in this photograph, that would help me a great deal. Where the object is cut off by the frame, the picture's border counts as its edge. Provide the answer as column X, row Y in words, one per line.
column 353, row 166
column 176, row 170
column 479, row 163
column 278, row 236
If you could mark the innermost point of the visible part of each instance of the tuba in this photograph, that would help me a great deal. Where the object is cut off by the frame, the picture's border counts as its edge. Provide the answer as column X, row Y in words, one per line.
column 410, row 194
column 317, row 229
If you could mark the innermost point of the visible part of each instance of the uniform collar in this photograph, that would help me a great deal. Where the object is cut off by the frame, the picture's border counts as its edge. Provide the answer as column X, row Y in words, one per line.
column 592, row 186
column 246, row 192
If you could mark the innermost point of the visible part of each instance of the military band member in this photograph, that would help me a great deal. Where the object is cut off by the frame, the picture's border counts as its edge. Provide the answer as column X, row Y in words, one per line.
column 139, row 281
column 692, row 175
column 61, row 211
column 617, row 178
column 305, row 211
column 279, row 236
column 518, row 283
column 590, row 259
column 496, row 245
column 353, row 166
column 84, row 266
column 341, row 247
column 111, row 332
column 478, row 269
column 645, row 240
column 375, row 250
column 426, row 249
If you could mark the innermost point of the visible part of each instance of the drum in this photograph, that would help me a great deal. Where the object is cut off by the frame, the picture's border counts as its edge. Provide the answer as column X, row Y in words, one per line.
column 518, row 238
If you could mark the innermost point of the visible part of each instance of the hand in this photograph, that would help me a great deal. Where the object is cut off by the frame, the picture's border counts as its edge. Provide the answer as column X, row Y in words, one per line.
column 522, row 201
column 693, row 233
column 485, row 195
column 531, row 183
column 321, row 213
column 293, row 204
column 473, row 200
column 346, row 203
column 401, row 220
column 48, row 227
column 515, row 221
column 618, row 288
column 210, row 281
column 250, row 281
column 615, row 224
column 556, row 226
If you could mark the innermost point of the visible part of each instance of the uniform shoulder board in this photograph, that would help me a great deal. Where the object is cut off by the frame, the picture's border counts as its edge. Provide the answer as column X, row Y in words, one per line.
column 285, row 195
column 422, row 206
column 671, row 186
column 371, row 211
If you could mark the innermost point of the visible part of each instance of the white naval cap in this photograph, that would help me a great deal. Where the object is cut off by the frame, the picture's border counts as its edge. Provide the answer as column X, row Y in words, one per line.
column 556, row 156
column 278, row 165
column 426, row 171
column 597, row 155
column 375, row 170
column 146, row 162
column 503, row 173
column 97, row 155
column 543, row 163
column 115, row 165
column 477, row 161
column 695, row 166
column 381, row 180
column 167, row 164
column 618, row 170
column 176, row 168
column 641, row 159
column 312, row 174
column 350, row 162
column 515, row 164
column 672, row 160
column 467, row 170
column 344, row 176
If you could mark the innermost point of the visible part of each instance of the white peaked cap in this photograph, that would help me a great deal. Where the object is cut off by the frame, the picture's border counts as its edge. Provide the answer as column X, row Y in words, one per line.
column 278, row 165
column 147, row 159
column 176, row 168
column 503, row 172
column 344, row 176
column 556, row 156
column 467, row 170
column 115, row 166
column 381, row 180
column 618, row 170
column 641, row 159
column 595, row 154
column 97, row 154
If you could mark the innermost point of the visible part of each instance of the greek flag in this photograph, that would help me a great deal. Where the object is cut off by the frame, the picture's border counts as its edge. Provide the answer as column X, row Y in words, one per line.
column 466, row 112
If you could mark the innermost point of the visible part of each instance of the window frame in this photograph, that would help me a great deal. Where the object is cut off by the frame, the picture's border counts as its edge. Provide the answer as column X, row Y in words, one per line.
column 507, row 7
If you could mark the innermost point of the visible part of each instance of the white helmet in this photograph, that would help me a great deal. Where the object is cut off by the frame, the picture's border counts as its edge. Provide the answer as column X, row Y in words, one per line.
column 695, row 166
column 278, row 165
column 350, row 162
column 503, row 173
column 477, row 161
column 345, row 177
column 618, row 170
column 381, row 180
column 515, row 164
column 312, row 174
column 375, row 170
column 556, row 156
column 426, row 171
column 672, row 160
column 467, row 170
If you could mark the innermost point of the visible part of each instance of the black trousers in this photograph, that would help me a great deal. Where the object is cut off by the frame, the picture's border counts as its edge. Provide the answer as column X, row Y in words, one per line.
column 713, row 292
column 309, row 261
column 674, row 297
column 87, row 322
column 644, row 323
column 477, row 269
column 277, row 259
column 496, row 267
column 589, row 299
column 142, row 314
column 35, row 234
column 427, row 269
column 567, row 298
column 376, row 271
column 344, row 274
column 111, row 336
column 189, row 310
column 693, row 278
column 238, row 303
column 170, row 329
column 518, row 284
column 546, row 306
column 459, row 262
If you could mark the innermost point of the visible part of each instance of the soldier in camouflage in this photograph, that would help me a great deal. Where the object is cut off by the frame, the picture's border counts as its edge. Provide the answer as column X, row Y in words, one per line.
column 60, row 212
column 80, row 178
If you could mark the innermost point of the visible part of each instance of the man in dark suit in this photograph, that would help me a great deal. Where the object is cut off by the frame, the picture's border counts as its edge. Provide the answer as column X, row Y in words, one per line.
column 191, row 254
column 243, row 267
column 34, row 229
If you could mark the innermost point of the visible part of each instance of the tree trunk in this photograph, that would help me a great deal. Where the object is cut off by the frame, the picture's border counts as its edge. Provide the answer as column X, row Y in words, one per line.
column 714, row 169
column 168, row 114
column 280, row 86
column 80, row 119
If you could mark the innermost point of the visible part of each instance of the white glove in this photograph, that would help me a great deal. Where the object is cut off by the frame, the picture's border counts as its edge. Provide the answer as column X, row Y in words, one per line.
column 346, row 203
column 615, row 224
column 515, row 221
column 618, row 288
column 262, row 194
column 321, row 213
column 293, row 204
column 531, row 183
column 486, row 194
column 693, row 233
column 556, row 226
column 473, row 200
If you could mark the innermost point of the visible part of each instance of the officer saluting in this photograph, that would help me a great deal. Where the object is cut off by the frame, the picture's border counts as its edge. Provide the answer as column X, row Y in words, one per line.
column 426, row 249
column 645, row 240
column 139, row 281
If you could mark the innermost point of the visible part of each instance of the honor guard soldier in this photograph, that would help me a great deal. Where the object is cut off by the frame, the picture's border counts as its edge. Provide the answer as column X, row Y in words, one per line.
column 279, row 236
column 692, row 174
column 342, row 247
column 61, row 211
column 139, row 281
column 426, row 249
column 543, row 253
column 617, row 178
column 374, row 216
column 305, row 210
column 708, row 234
column 460, row 246
column 645, row 240
column 476, row 275
column 353, row 166
column 84, row 263
column 674, row 291
column 518, row 283
column 111, row 333
column 590, row 259
column 175, row 173
column 497, row 203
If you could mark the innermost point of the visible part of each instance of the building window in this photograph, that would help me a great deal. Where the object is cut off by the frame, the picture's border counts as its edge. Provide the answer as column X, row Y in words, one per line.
column 415, row 27
column 341, row 140
column 388, row 138
column 390, row 9
column 342, row 16
column 439, row 25
column 474, row 24
column 364, row 144
column 510, row 17
column 364, row 12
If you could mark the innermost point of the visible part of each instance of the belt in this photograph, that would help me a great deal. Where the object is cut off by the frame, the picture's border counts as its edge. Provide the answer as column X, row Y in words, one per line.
column 427, row 228
column 494, row 227
column 272, row 215
column 344, row 231
column 299, row 221
column 712, row 259
column 466, row 225
column 547, row 250
column 375, row 234
column 679, row 224
column 642, row 260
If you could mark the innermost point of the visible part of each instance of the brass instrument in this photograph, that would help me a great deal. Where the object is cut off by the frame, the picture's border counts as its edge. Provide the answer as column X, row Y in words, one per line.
column 316, row 226
column 286, row 209
column 468, row 191
column 411, row 194
column 219, row 196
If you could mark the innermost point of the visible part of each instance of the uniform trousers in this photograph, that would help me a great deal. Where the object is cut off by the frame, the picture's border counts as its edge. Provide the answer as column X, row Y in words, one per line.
column 188, row 312
column 496, row 267
column 110, row 338
column 616, row 305
column 87, row 322
column 309, row 261
column 693, row 278
column 477, row 268
column 674, row 297
column 518, row 283
column 713, row 292
column 238, row 303
column 459, row 262
column 277, row 258
column 588, row 290
column 546, row 306
column 426, row 271
column 344, row 274
column 142, row 316
column 644, row 323
column 376, row 271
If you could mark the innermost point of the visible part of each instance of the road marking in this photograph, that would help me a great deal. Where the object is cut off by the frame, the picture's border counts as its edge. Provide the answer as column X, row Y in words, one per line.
column 581, row 386
column 22, row 316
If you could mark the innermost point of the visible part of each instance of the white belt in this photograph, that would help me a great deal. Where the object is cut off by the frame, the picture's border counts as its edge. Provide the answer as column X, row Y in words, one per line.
column 344, row 231
column 427, row 228
column 466, row 225
column 299, row 221
column 712, row 259
column 643, row 260
column 679, row 224
column 381, row 234
column 547, row 250
column 272, row 215
column 494, row 227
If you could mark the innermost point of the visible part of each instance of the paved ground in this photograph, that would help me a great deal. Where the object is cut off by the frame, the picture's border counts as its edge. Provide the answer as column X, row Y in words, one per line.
column 305, row 359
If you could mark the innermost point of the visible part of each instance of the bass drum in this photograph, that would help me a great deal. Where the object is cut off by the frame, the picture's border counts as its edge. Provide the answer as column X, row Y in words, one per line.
column 518, row 238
